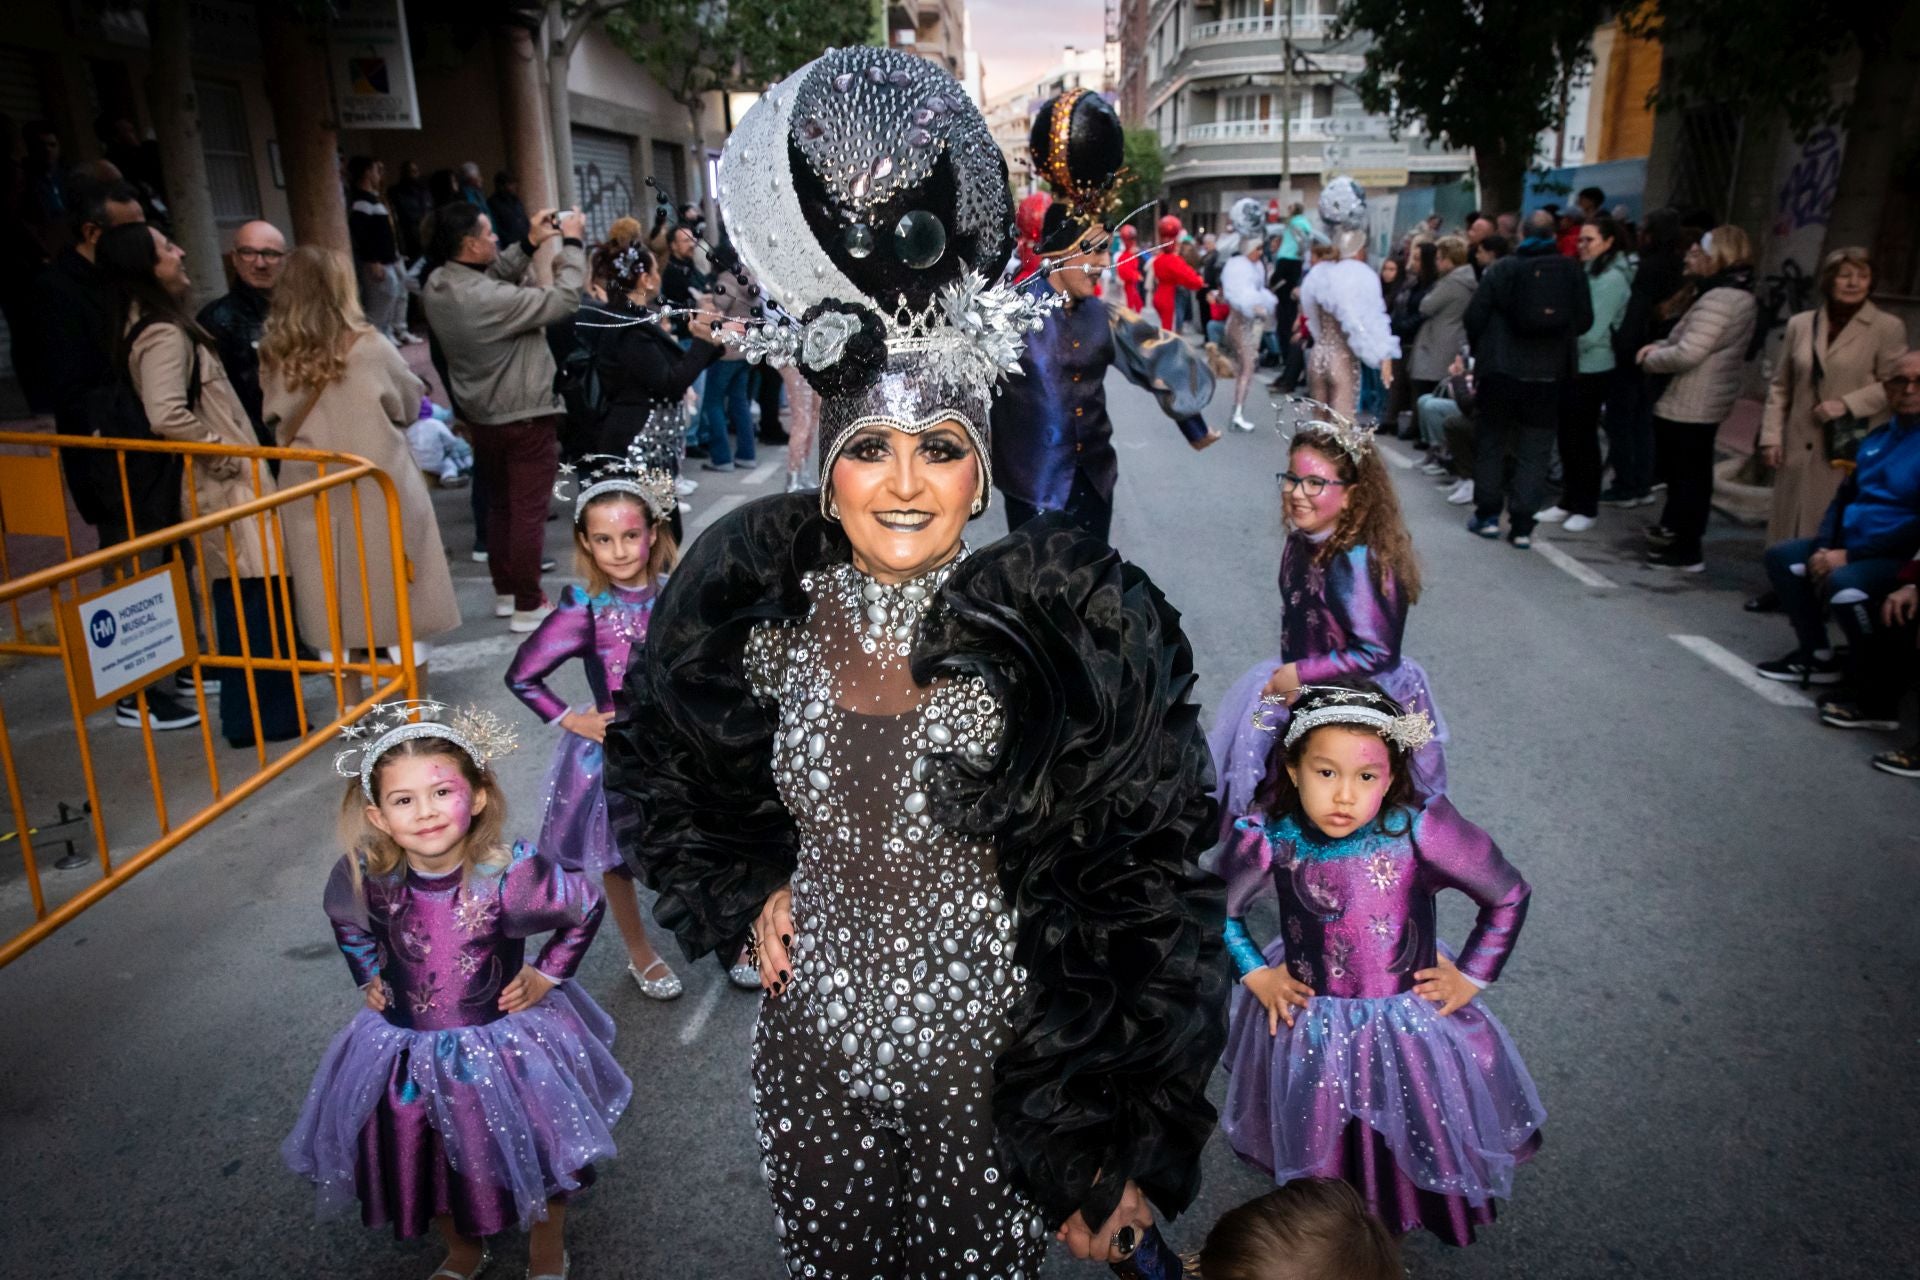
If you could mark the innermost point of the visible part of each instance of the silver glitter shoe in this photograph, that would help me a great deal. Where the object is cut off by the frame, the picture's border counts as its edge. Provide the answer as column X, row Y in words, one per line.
column 745, row 976
column 566, row 1265
column 448, row 1273
column 662, row 988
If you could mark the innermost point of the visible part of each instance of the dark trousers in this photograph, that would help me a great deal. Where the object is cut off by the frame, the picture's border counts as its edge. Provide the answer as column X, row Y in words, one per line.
column 767, row 391
column 1458, row 433
column 1285, row 279
column 1684, row 455
column 1630, row 432
column 1085, row 507
column 1852, row 595
column 1520, row 418
column 518, row 462
column 1580, row 443
column 272, row 690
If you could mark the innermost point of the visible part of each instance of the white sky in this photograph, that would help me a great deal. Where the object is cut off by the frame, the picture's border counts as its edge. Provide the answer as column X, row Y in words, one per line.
column 1020, row 39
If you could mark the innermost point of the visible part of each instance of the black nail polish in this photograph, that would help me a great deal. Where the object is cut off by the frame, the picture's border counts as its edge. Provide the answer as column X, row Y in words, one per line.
column 783, row 977
column 786, row 939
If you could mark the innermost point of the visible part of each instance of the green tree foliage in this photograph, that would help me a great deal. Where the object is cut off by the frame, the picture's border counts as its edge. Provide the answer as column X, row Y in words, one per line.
column 695, row 47
column 1146, row 170
column 1763, row 55
column 1489, row 76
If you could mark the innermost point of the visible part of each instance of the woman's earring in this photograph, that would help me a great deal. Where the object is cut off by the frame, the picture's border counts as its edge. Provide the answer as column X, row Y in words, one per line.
column 979, row 505
column 833, row 510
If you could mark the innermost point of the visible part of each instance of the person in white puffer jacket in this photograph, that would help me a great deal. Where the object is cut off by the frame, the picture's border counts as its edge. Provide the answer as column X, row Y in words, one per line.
column 1707, row 354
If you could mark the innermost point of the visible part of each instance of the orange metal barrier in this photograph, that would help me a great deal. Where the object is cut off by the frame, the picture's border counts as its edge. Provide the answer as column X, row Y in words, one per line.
column 32, row 503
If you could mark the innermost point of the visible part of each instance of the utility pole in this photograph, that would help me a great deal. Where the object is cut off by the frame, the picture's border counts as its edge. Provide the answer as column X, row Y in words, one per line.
column 563, row 34
column 1286, row 103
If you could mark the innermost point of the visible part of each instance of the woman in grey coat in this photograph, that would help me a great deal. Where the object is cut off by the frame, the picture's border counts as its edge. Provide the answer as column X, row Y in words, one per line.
column 1445, row 309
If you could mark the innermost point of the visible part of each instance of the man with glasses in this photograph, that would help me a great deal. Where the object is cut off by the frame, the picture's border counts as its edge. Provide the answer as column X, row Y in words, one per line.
column 1870, row 533
column 237, row 319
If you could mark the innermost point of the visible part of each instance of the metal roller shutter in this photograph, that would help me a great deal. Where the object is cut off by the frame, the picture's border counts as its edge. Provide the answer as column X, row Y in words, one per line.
column 603, row 179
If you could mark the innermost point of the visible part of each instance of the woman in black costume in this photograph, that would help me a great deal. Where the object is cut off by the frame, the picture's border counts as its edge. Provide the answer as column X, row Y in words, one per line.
column 959, row 799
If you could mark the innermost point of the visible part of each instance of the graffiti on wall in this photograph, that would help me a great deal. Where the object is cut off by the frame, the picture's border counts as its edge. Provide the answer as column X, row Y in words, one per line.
column 604, row 197
column 1806, row 197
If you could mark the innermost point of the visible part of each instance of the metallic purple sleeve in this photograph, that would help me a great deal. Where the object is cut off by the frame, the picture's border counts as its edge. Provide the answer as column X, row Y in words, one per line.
column 539, row 895
column 566, row 633
column 1455, row 854
column 348, row 912
column 1245, row 862
column 1363, row 624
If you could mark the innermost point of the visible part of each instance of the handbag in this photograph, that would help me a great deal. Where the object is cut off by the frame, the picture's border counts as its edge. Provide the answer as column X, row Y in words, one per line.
column 1840, row 436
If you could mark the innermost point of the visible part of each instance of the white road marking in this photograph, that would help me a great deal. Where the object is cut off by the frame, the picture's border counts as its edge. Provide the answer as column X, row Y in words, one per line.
column 1570, row 566
column 1774, row 691
column 698, row 1022
column 719, row 508
column 760, row 474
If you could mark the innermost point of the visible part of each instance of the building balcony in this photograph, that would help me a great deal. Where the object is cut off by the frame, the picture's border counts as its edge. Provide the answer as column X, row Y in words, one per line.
column 1306, row 26
column 1270, row 130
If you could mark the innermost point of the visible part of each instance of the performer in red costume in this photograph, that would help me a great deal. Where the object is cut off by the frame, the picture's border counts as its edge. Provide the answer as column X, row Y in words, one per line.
column 1127, row 268
column 1028, row 220
column 1170, row 271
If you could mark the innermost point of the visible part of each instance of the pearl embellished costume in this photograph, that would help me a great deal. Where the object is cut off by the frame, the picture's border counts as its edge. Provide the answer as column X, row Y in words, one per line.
column 871, row 1073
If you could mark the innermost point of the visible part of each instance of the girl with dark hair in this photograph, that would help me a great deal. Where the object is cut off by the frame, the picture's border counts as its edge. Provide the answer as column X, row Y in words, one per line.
column 643, row 370
column 174, row 368
column 1348, row 575
column 1609, row 285
column 1357, row 1047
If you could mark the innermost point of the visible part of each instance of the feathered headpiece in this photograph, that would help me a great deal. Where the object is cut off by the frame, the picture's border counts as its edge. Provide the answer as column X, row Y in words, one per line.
column 1307, row 421
column 866, row 194
column 601, row 473
column 484, row 736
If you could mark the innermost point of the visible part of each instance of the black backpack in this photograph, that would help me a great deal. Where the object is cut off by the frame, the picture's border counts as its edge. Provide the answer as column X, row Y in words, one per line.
column 1544, row 302
column 577, row 380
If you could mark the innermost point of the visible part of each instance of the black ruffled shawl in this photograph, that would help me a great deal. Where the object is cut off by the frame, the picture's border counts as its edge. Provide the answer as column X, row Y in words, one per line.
column 1098, row 805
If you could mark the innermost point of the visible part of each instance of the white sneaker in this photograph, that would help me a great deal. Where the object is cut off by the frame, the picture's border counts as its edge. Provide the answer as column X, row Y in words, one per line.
column 479, row 556
column 1461, row 493
column 1240, row 422
column 684, row 486
column 1552, row 515
column 1579, row 524
column 422, row 651
column 1433, row 469
column 524, row 620
column 503, row 606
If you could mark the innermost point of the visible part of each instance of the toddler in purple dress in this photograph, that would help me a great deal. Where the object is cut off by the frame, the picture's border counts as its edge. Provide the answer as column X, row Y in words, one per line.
column 624, row 550
column 1347, row 578
column 1357, row 1048
column 474, row 1091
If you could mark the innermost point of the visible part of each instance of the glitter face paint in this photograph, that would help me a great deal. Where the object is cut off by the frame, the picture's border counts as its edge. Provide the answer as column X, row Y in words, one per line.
column 426, row 806
column 619, row 537
column 1342, row 777
column 1314, row 515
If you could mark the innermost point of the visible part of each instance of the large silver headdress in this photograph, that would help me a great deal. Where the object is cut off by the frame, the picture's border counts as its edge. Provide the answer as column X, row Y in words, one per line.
column 484, row 736
column 1408, row 730
column 1303, row 420
column 868, row 197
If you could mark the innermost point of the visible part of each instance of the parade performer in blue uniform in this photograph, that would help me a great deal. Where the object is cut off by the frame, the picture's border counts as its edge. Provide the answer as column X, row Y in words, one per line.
column 1052, row 439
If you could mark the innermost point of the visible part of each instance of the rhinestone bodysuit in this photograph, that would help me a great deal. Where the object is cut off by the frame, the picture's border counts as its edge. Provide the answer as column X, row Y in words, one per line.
column 873, row 1070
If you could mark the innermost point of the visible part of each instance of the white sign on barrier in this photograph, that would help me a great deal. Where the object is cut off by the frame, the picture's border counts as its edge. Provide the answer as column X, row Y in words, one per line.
column 132, row 633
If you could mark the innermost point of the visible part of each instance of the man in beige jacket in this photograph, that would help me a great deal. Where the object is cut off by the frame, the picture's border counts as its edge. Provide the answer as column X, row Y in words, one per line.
column 490, row 319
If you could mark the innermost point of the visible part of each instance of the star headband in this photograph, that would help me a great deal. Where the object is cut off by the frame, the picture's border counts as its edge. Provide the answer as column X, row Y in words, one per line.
column 1408, row 730
column 484, row 736
column 1315, row 420
column 605, row 473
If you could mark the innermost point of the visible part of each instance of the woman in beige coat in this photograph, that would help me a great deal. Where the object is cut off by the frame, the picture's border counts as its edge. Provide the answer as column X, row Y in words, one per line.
column 330, row 382
column 174, row 368
column 1831, row 366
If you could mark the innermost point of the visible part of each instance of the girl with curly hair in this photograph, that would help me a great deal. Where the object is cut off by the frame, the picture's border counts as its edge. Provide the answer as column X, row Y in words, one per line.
column 1348, row 575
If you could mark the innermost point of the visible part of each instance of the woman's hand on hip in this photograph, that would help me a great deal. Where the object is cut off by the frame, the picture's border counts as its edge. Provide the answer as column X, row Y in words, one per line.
column 1280, row 992
column 1828, row 410
column 591, row 725
column 773, row 934
column 1098, row 1246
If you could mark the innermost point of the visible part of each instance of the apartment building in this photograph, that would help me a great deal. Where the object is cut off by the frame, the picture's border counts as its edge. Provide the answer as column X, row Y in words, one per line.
column 1010, row 113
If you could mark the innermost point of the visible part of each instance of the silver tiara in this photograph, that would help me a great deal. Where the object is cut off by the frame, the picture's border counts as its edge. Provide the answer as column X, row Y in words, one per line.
column 601, row 473
column 1409, row 730
column 1301, row 416
column 484, row 736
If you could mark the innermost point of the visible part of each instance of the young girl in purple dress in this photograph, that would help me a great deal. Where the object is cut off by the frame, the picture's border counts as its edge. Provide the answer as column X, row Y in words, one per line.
column 624, row 550
column 1347, row 578
column 1358, row 1049
column 475, row 1090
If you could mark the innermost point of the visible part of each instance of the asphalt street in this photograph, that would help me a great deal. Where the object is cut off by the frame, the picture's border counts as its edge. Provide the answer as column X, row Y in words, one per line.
column 1714, row 990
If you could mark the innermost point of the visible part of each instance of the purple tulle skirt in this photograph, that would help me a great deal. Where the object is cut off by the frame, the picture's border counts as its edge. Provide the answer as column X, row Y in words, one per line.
column 1447, row 1099
column 1241, row 749
column 484, row 1123
column 578, row 828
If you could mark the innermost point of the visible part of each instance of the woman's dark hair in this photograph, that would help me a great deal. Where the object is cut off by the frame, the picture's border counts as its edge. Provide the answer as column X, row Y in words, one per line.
column 357, row 168
column 443, row 187
column 1610, row 231
column 1662, row 233
column 126, row 256
column 1277, row 797
column 1426, row 268
column 449, row 227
